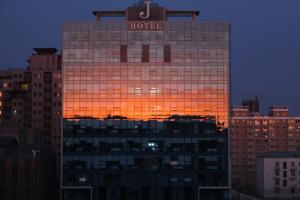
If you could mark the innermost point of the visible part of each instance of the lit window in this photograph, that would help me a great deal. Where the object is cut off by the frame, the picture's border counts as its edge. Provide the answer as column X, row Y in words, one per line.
column 82, row 179
column 174, row 162
column 5, row 85
column 24, row 86
column 0, row 94
column 153, row 146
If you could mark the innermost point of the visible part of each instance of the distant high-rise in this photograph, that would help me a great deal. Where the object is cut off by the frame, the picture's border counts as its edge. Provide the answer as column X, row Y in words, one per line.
column 252, row 104
column 253, row 135
column 30, row 108
column 145, row 106
column 31, row 98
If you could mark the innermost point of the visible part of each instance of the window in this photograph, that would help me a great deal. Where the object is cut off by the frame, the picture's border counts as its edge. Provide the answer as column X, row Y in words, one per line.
column 284, row 174
column 277, row 181
column 277, row 165
column 5, row 85
column 123, row 53
column 292, row 164
column 284, row 183
column 24, row 86
column 293, row 172
column 167, row 53
column 284, row 165
column 293, row 189
column 145, row 53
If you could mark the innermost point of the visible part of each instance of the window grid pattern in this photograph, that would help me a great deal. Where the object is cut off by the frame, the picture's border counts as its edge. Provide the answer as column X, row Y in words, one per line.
column 97, row 83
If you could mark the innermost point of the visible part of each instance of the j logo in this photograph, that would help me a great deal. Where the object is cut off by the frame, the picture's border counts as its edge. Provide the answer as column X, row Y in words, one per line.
column 146, row 15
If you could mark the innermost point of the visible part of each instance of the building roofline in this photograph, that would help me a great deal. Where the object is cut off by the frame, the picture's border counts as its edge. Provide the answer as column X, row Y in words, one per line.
column 45, row 51
column 113, row 13
column 182, row 13
column 281, row 154
column 169, row 13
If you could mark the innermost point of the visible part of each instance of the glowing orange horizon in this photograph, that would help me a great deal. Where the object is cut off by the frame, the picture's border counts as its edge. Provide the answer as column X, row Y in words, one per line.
column 145, row 107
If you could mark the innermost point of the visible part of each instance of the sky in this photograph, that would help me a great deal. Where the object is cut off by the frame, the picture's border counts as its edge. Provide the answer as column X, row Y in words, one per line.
column 265, row 39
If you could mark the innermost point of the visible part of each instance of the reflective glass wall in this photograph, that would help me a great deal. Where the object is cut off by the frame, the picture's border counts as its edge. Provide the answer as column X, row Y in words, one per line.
column 149, row 82
column 146, row 112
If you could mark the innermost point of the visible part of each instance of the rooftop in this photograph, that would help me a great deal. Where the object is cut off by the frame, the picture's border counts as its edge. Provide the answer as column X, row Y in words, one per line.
column 157, row 13
column 281, row 154
column 45, row 51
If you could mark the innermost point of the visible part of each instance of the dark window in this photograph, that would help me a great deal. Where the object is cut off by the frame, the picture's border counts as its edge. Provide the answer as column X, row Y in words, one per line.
column 145, row 53
column 293, row 172
column 167, row 53
column 145, row 193
column 284, row 165
column 284, row 183
column 167, row 193
column 188, row 193
column 123, row 193
column 284, row 174
column 293, row 189
column 123, row 53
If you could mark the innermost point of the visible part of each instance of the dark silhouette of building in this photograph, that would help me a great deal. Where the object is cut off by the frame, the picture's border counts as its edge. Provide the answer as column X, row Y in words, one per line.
column 252, row 104
column 30, row 101
column 27, row 172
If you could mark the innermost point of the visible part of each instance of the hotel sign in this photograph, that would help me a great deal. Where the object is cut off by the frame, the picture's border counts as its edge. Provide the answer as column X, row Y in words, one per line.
column 145, row 25
column 142, row 13
column 145, row 20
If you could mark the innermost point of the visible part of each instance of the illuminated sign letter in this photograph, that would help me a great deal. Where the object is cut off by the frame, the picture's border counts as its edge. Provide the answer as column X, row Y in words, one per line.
column 146, row 15
column 132, row 26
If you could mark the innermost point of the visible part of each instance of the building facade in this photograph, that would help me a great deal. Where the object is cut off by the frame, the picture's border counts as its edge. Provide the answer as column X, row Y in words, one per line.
column 13, row 91
column 278, row 175
column 31, row 98
column 253, row 134
column 26, row 172
column 145, row 106
column 30, row 103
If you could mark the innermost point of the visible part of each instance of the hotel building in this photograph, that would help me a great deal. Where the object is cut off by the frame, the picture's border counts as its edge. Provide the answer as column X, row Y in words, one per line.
column 145, row 106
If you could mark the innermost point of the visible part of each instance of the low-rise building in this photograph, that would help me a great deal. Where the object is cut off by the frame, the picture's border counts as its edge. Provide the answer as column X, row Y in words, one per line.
column 278, row 175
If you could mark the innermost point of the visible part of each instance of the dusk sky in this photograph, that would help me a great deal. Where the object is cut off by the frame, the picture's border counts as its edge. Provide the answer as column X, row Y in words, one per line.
column 265, row 38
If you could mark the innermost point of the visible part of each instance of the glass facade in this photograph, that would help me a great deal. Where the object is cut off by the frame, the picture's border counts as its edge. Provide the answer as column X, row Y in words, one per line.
column 195, row 82
column 146, row 111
